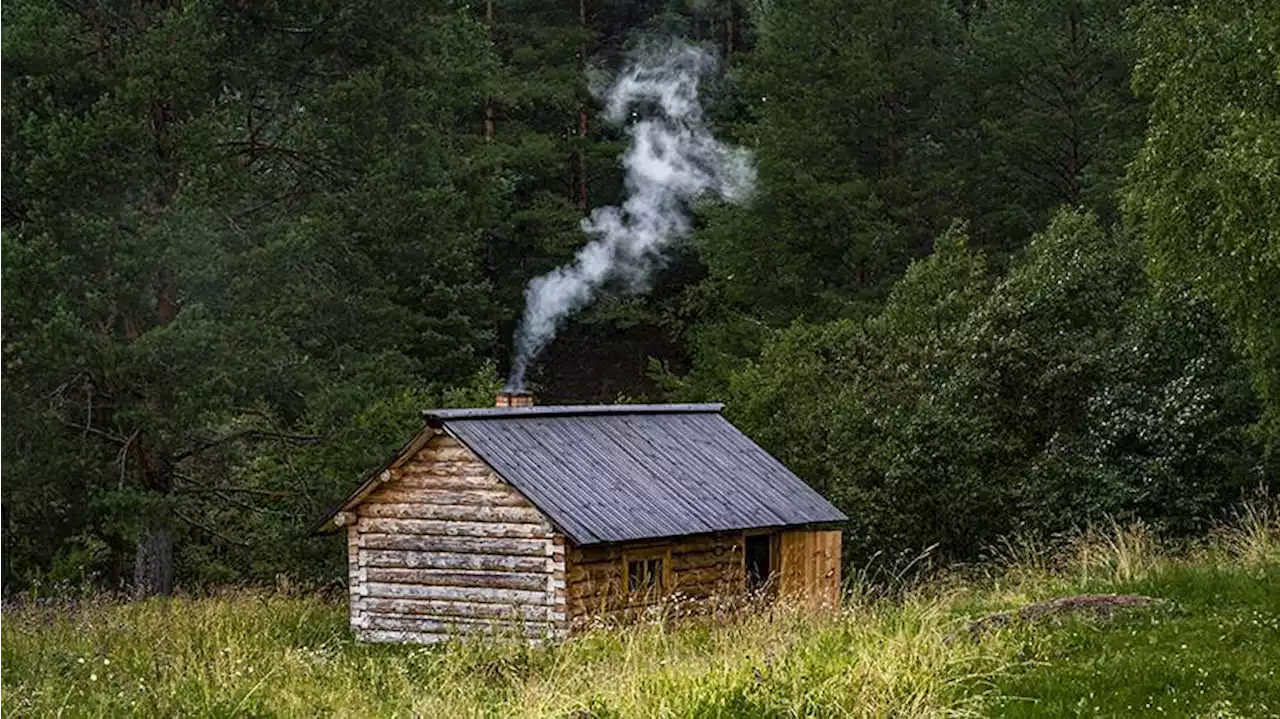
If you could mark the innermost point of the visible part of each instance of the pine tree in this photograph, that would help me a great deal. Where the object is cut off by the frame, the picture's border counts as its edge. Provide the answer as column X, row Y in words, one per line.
column 1055, row 119
column 852, row 152
column 227, row 219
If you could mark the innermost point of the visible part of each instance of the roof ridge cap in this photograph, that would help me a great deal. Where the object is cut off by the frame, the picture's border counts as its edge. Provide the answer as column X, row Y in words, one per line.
column 436, row 417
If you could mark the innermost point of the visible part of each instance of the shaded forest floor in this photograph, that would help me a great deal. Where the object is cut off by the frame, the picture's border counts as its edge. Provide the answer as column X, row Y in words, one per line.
column 1208, row 646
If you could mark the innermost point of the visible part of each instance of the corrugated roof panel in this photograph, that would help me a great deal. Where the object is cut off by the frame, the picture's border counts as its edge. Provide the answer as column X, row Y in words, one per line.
column 617, row 473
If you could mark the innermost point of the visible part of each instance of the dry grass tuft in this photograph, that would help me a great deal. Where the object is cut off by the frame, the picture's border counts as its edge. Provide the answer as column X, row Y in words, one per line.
column 1252, row 537
column 1114, row 552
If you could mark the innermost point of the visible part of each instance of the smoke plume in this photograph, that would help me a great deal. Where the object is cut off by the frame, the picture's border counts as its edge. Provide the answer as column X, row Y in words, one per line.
column 672, row 160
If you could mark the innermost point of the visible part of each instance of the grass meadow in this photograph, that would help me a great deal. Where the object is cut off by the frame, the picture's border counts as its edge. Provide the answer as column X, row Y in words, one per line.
column 1209, row 647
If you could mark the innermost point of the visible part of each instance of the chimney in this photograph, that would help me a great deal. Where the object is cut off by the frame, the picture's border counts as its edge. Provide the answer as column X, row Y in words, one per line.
column 514, row 398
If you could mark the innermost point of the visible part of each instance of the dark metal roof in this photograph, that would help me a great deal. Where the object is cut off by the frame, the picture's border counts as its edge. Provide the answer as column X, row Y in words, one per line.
column 611, row 473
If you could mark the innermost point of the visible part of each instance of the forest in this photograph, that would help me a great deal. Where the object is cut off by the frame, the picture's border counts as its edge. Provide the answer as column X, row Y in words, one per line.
column 1009, row 267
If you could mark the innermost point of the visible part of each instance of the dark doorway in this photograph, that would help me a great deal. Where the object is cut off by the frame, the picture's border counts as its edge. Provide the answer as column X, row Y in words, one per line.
column 759, row 555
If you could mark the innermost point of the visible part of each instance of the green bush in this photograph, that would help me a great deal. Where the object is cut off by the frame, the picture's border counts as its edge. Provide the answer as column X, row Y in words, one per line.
column 978, row 404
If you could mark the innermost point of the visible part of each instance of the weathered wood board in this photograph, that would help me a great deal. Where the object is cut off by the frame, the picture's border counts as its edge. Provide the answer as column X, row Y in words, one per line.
column 445, row 548
column 810, row 566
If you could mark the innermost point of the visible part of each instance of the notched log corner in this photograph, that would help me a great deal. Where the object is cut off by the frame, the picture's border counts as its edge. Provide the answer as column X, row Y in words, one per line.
column 1101, row 605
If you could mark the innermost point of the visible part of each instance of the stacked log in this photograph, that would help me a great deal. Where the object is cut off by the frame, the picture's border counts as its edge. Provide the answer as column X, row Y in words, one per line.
column 701, row 567
column 444, row 548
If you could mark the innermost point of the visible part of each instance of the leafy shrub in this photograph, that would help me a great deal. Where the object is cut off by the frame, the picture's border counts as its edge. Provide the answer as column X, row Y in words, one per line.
column 975, row 405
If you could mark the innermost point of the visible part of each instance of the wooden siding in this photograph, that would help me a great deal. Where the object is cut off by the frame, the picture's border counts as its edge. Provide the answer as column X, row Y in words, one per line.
column 695, row 568
column 810, row 566
column 443, row 547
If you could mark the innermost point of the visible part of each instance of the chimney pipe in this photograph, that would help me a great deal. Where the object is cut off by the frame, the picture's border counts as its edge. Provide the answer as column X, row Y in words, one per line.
column 514, row 398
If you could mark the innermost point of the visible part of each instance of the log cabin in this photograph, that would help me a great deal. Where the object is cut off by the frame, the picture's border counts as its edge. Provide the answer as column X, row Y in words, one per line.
column 527, row 521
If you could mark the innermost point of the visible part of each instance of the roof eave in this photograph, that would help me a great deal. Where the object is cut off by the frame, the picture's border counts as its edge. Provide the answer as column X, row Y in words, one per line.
column 831, row 524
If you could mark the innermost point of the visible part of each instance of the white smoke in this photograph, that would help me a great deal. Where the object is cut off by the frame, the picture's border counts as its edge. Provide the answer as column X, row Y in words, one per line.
column 672, row 160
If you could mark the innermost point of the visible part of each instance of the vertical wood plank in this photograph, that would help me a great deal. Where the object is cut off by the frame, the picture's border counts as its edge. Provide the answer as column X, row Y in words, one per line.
column 837, row 567
column 810, row 569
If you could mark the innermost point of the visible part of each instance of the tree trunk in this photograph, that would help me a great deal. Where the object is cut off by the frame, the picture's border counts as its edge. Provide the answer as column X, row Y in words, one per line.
column 490, row 121
column 153, row 560
column 583, row 204
column 153, row 563
column 5, row 566
column 728, row 33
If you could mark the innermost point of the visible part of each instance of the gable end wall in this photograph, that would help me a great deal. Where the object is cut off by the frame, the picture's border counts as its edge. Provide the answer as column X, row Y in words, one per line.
column 444, row 548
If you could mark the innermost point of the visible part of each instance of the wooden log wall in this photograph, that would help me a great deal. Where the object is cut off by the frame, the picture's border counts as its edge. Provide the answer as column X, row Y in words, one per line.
column 445, row 548
column 703, row 567
column 810, row 566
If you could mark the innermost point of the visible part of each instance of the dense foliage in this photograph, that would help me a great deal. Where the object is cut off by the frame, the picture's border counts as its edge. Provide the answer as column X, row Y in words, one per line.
column 974, row 405
column 982, row 287
column 1206, row 186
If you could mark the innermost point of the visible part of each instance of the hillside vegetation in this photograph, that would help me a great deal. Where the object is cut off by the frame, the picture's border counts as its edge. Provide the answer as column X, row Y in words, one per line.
column 1009, row 267
column 1209, row 645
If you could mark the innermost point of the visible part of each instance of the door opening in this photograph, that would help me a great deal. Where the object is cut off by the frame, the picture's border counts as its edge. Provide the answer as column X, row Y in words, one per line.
column 760, row 562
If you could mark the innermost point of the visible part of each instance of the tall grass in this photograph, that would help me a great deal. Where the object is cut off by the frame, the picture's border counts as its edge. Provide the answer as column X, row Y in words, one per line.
column 258, row 653
column 1252, row 537
column 1118, row 553
column 285, row 656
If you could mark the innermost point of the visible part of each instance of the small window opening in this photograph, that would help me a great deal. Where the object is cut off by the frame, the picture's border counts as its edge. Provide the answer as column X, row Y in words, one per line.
column 644, row 575
column 759, row 556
